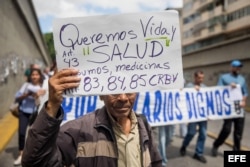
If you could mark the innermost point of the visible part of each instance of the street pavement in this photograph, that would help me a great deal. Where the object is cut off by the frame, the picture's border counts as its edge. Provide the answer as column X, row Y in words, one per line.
column 176, row 160
column 10, row 152
column 214, row 127
column 8, row 155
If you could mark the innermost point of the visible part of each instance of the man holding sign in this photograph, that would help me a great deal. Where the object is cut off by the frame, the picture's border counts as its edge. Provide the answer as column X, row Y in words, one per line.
column 111, row 57
column 191, row 130
column 111, row 136
column 233, row 78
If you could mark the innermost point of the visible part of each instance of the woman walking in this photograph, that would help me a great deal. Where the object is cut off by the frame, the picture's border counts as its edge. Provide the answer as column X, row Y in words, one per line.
column 28, row 98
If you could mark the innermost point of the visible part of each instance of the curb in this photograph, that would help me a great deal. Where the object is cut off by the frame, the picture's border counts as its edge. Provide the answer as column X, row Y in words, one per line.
column 8, row 126
column 227, row 142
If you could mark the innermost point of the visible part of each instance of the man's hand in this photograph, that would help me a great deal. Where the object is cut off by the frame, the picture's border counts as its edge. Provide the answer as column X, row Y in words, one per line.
column 197, row 87
column 242, row 104
column 40, row 92
column 233, row 85
column 60, row 81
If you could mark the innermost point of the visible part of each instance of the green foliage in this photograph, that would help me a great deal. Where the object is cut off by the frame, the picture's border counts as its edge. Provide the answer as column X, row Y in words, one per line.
column 48, row 37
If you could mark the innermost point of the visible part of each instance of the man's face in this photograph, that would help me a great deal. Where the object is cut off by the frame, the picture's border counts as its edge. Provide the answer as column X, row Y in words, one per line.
column 119, row 105
column 235, row 70
column 199, row 78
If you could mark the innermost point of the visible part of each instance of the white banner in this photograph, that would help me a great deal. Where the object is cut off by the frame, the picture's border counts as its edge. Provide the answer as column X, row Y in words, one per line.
column 170, row 106
column 121, row 53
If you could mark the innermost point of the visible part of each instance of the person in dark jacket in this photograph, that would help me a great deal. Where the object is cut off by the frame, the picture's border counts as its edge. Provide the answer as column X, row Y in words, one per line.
column 113, row 136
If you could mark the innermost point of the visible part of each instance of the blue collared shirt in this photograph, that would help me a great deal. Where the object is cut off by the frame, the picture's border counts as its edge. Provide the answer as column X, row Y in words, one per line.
column 227, row 79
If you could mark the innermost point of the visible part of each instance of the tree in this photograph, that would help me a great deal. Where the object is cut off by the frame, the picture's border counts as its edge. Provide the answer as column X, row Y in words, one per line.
column 50, row 44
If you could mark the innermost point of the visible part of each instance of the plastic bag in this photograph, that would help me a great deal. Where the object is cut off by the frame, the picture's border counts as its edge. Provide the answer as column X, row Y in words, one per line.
column 14, row 109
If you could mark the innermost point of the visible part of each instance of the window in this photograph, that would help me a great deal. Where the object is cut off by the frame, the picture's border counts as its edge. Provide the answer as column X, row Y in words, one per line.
column 238, row 14
column 211, row 29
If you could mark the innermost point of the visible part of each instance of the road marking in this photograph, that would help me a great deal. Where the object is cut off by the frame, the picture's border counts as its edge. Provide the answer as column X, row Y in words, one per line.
column 8, row 127
column 227, row 142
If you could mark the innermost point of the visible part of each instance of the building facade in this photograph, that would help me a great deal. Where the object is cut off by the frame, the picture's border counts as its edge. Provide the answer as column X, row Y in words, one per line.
column 213, row 33
column 21, row 43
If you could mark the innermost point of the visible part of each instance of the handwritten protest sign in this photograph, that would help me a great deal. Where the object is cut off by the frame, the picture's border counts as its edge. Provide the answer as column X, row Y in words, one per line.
column 169, row 106
column 121, row 53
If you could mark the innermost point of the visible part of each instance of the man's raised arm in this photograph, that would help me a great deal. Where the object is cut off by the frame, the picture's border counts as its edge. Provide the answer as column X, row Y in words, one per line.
column 41, row 148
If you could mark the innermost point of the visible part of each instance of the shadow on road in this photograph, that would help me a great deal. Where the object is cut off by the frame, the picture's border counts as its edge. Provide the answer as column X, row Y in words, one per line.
column 13, row 151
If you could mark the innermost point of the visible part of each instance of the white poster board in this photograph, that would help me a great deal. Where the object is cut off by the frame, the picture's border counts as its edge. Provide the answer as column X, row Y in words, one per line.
column 121, row 53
